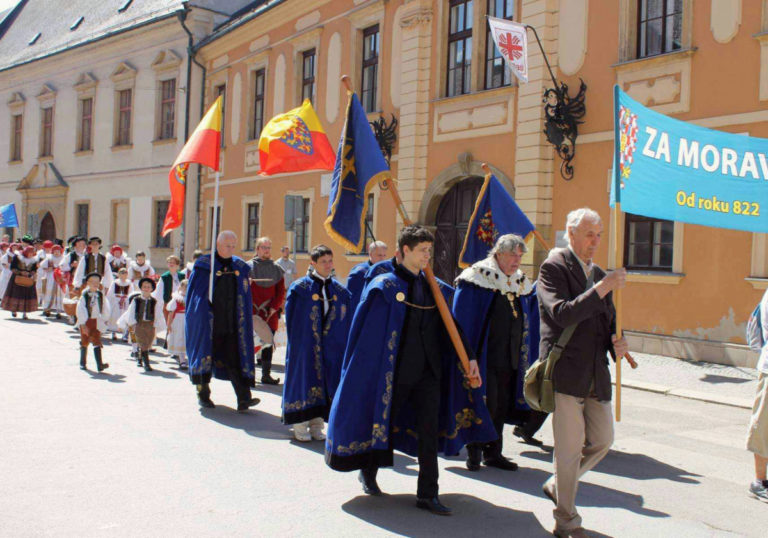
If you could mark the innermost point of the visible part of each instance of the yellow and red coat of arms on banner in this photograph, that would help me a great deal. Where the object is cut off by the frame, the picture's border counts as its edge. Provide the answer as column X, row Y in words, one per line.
column 486, row 229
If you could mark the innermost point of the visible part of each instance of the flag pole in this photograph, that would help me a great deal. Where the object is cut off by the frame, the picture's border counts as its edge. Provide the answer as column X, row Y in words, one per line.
column 442, row 306
column 214, row 224
column 618, row 248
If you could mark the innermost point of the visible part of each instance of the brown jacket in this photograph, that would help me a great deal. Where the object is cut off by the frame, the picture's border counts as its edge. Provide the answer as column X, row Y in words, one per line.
column 564, row 300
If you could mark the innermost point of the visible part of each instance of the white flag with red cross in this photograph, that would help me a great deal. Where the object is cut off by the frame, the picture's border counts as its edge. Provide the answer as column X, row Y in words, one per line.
column 512, row 41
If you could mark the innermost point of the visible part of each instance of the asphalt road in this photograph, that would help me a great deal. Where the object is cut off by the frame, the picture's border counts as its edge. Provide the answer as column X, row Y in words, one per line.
column 131, row 454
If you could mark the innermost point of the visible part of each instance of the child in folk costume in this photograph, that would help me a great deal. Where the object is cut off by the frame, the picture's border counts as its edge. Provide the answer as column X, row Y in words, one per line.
column 6, row 255
column 92, row 317
column 71, row 261
column 117, row 259
column 117, row 295
column 21, row 295
column 177, row 345
column 140, row 268
column 54, row 289
column 145, row 319
column 42, row 282
column 94, row 262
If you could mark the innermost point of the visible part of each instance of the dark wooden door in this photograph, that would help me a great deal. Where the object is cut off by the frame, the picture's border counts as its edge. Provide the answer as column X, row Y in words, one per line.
column 452, row 220
column 47, row 228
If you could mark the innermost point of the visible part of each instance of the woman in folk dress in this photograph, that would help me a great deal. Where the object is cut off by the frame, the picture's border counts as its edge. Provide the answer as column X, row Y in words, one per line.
column 54, row 292
column 21, row 295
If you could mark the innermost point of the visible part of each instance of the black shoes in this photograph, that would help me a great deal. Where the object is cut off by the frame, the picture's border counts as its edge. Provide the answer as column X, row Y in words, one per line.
column 474, row 457
column 206, row 402
column 242, row 407
column 501, row 462
column 145, row 355
column 267, row 379
column 368, row 479
column 434, row 505
column 83, row 355
column 99, row 364
column 526, row 438
column 204, row 396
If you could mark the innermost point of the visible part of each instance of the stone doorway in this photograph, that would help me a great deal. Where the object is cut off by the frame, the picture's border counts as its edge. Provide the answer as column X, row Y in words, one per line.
column 451, row 223
column 47, row 228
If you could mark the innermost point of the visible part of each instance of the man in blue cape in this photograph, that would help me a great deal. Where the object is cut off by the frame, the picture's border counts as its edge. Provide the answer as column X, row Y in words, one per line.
column 317, row 317
column 496, row 307
column 377, row 251
column 219, row 333
column 397, row 389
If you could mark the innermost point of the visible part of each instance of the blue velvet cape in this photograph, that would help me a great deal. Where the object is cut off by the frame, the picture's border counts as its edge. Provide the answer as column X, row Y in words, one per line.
column 199, row 322
column 359, row 429
column 315, row 350
column 356, row 282
column 471, row 306
column 378, row 268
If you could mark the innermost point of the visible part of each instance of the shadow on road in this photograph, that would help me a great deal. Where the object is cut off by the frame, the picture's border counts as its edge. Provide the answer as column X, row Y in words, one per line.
column 527, row 480
column 161, row 373
column 271, row 389
column 106, row 376
column 471, row 516
column 710, row 378
column 318, row 447
column 29, row 321
column 636, row 466
column 255, row 422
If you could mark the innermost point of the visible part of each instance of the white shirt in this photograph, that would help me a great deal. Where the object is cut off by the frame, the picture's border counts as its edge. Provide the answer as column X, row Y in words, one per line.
column 587, row 267
column 326, row 299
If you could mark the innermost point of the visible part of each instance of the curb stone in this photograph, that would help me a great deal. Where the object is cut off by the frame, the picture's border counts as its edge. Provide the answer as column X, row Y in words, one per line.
column 709, row 397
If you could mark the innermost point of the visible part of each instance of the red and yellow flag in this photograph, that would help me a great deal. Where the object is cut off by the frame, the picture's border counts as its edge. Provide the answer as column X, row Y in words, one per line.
column 295, row 141
column 203, row 148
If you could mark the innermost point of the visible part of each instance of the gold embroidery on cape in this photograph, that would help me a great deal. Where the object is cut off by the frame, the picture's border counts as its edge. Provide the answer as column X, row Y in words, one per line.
column 314, row 396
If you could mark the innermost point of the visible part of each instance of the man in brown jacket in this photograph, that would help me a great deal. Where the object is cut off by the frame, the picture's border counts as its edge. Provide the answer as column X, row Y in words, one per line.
column 573, row 290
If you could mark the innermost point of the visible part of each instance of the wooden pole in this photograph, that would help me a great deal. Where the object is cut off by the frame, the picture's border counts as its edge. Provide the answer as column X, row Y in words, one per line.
column 213, row 234
column 618, row 247
column 442, row 306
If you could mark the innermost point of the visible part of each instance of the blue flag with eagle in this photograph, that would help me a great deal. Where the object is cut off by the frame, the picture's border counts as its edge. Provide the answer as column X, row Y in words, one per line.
column 360, row 164
column 495, row 214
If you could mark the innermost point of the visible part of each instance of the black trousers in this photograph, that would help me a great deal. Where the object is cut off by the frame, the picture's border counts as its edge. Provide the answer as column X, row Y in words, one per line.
column 423, row 395
column 225, row 350
column 266, row 360
column 498, row 394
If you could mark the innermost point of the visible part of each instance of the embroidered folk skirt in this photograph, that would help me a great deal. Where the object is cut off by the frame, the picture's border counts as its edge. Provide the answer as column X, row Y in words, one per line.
column 90, row 334
column 19, row 298
column 177, row 342
column 145, row 334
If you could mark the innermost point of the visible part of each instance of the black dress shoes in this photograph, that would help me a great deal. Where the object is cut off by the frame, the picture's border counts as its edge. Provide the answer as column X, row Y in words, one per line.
column 526, row 438
column 269, row 380
column 501, row 462
column 434, row 505
column 206, row 402
column 474, row 457
column 368, row 480
column 243, row 406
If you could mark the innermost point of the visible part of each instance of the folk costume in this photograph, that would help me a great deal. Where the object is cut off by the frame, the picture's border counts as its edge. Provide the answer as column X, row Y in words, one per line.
column 5, row 270
column 145, row 319
column 117, row 294
column 54, row 284
column 93, row 262
column 499, row 316
column 68, row 267
column 117, row 259
column 317, row 316
column 219, row 334
column 167, row 285
column 21, row 294
column 92, row 317
column 392, row 394
column 356, row 281
column 136, row 272
column 177, row 343
column 268, row 292
column 42, row 282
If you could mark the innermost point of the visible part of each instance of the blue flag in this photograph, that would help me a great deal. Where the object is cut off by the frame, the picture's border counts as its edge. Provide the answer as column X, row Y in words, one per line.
column 359, row 166
column 8, row 218
column 495, row 214
column 671, row 169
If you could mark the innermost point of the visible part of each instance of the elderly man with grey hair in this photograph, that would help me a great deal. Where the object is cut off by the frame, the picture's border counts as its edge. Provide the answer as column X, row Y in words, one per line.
column 575, row 296
column 495, row 305
column 377, row 251
column 219, row 332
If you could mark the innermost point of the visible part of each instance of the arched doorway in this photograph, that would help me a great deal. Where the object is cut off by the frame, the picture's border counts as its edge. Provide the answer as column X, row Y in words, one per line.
column 47, row 228
column 452, row 219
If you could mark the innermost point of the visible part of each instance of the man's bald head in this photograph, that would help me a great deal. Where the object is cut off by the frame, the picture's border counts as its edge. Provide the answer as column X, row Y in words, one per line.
column 226, row 243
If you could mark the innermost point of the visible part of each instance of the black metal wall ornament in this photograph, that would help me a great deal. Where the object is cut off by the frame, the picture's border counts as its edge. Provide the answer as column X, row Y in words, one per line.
column 386, row 135
column 563, row 115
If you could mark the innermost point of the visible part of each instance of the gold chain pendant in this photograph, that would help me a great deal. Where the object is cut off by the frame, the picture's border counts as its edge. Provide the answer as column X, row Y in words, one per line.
column 511, row 298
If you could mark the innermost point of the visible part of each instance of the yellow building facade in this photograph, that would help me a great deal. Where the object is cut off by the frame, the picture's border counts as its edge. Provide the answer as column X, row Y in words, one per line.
column 430, row 65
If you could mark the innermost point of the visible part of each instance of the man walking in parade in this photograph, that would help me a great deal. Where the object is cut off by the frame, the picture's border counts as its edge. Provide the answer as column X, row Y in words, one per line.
column 287, row 265
column 576, row 295
column 495, row 305
column 268, row 295
column 377, row 251
column 219, row 333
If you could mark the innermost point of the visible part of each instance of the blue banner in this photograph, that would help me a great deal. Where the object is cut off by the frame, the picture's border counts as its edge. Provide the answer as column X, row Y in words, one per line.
column 8, row 218
column 669, row 169
column 360, row 164
column 496, row 213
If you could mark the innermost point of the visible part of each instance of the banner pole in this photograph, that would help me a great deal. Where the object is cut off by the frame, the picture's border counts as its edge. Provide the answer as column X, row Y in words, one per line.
column 618, row 245
column 442, row 306
column 214, row 224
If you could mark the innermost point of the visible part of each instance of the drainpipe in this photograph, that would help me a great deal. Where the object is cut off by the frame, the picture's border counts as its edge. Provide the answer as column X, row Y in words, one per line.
column 191, row 53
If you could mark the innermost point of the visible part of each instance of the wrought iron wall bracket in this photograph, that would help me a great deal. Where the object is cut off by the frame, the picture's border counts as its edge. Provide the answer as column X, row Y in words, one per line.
column 563, row 115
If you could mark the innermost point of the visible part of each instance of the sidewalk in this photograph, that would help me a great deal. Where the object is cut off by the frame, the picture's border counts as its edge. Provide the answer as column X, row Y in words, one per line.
column 704, row 381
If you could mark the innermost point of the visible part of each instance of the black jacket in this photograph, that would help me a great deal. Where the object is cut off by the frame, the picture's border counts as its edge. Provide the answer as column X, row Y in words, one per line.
column 564, row 300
